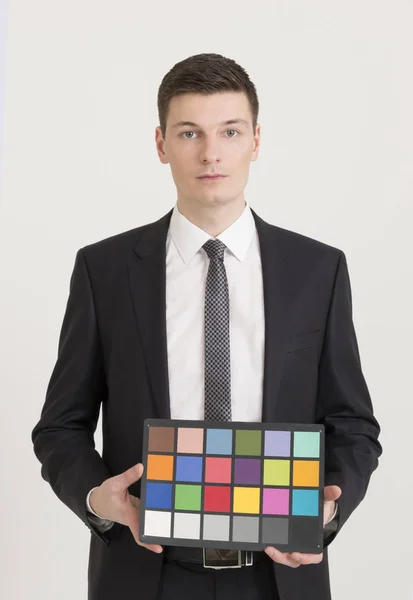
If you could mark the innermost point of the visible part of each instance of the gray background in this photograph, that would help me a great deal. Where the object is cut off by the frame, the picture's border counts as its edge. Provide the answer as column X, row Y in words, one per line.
column 80, row 164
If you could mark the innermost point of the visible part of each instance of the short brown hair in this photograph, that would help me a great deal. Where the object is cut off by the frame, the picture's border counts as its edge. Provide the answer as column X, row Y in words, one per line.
column 205, row 74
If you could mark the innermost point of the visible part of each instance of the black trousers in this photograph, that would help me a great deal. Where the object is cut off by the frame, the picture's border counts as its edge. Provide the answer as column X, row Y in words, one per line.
column 187, row 581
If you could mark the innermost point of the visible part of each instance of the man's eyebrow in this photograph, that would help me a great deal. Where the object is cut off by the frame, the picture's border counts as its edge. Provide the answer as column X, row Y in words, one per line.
column 229, row 122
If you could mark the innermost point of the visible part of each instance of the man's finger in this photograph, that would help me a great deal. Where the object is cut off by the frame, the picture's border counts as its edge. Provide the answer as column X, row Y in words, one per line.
column 281, row 557
column 307, row 559
column 332, row 492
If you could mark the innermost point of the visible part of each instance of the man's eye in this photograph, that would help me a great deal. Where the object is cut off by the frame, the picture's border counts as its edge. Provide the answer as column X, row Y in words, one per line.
column 185, row 132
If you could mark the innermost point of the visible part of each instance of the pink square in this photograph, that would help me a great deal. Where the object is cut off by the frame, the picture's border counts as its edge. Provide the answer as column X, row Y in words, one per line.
column 276, row 501
column 218, row 470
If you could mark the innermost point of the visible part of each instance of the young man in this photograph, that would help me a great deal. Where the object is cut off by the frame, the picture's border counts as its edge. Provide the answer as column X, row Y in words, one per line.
column 137, row 338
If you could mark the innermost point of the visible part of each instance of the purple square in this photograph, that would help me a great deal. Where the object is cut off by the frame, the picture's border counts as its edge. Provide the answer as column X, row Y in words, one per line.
column 277, row 443
column 247, row 470
column 276, row 501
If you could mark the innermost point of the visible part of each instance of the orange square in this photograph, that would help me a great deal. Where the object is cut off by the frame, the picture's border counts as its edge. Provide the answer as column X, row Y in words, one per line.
column 306, row 473
column 160, row 466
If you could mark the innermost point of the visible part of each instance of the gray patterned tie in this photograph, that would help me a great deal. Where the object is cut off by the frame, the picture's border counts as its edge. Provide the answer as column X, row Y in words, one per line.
column 217, row 336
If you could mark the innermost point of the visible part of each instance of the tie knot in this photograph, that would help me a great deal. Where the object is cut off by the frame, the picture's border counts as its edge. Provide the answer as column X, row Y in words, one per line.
column 214, row 248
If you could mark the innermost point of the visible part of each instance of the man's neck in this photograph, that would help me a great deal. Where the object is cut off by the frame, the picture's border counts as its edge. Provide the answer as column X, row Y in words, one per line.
column 214, row 220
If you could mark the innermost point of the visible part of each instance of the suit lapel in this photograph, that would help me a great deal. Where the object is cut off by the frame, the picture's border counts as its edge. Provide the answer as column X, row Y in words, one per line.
column 147, row 278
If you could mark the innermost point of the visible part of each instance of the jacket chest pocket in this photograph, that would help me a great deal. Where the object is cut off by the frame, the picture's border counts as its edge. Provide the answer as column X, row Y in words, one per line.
column 304, row 340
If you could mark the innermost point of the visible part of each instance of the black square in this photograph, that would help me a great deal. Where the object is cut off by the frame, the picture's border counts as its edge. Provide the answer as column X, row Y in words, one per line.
column 305, row 534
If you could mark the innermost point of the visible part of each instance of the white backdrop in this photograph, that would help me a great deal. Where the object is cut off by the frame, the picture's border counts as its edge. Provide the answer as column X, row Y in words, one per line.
column 80, row 164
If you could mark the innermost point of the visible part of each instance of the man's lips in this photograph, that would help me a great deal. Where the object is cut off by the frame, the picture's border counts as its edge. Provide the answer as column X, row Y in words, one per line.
column 217, row 176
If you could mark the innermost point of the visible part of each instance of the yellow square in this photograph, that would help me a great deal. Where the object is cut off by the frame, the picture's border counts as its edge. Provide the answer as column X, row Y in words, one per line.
column 246, row 500
column 306, row 473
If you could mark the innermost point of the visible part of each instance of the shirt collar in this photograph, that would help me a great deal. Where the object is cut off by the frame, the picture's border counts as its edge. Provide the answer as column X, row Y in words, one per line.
column 188, row 238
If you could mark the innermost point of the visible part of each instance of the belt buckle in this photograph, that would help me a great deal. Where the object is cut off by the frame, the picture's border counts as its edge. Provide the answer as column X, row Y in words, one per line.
column 215, row 554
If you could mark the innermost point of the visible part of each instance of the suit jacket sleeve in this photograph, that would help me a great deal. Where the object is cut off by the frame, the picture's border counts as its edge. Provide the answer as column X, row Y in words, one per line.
column 63, row 438
column 344, row 405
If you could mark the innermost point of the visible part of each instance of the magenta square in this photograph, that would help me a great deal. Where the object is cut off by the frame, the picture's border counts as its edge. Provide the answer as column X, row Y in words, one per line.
column 276, row 501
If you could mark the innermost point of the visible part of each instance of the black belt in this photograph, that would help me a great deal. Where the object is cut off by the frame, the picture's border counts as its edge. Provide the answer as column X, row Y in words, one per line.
column 215, row 558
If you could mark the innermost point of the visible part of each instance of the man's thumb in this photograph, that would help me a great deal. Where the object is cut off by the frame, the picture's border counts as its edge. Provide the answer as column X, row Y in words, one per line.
column 133, row 474
column 332, row 492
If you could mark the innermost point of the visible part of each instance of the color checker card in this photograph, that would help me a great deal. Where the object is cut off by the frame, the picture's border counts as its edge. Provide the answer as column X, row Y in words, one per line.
column 233, row 485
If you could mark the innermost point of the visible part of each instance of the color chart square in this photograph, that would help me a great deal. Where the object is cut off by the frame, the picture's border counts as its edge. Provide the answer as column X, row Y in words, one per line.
column 160, row 466
column 158, row 495
column 187, row 525
column 189, row 468
column 248, row 442
column 217, row 498
column 276, row 472
column 306, row 444
column 275, row 530
column 277, row 443
column 306, row 473
column 187, row 497
column 305, row 503
column 246, row 500
column 161, row 439
column 218, row 470
column 303, row 532
column 216, row 527
column 157, row 523
column 190, row 440
column 219, row 441
column 245, row 529
column 247, row 471
column 276, row 501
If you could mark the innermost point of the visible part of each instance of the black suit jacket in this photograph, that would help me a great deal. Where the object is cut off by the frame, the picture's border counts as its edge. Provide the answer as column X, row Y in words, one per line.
column 112, row 356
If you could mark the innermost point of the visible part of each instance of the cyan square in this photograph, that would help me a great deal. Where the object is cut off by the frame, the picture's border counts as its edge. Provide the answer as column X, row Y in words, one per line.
column 305, row 503
column 219, row 441
column 307, row 444
column 189, row 468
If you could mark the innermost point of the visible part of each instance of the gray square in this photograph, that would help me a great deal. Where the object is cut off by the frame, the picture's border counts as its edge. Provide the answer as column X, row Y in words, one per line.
column 216, row 527
column 274, row 530
column 245, row 529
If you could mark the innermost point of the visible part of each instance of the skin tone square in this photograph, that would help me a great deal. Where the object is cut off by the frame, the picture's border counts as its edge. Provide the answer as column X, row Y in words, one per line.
column 187, row 497
column 158, row 495
column 247, row 471
column 189, row 468
column 306, row 473
column 246, row 500
column 218, row 470
column 161, row 439
column 245, row 529
column 219, row 441
column 306, row 444
column 158, row 523
column 248, row 442
column 217, row 498
column 216, row 527
column 277, row 443
column 276, row 501
column 305, row 502
column 190, row 440
column 160, row 467
column 187, row 525
column 276, row 472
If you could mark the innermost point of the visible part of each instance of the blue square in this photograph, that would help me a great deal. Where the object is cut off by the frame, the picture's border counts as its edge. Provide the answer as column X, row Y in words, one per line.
column 158, row 495
column 189, row 468
column 219, row 441
column 305, row 503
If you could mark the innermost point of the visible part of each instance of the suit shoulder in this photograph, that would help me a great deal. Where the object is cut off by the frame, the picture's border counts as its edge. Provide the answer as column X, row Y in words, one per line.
column 298, row 242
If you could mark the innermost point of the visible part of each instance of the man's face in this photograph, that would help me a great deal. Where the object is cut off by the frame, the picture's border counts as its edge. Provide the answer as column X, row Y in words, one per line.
column 209, row 146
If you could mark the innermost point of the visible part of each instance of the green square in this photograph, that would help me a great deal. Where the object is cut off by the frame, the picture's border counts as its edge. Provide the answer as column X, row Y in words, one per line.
column 307, row 444
column 248, row 442
column 187, row 497
column 276, row 472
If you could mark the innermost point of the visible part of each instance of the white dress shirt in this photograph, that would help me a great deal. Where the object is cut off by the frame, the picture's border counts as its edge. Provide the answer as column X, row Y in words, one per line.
column 186, row 271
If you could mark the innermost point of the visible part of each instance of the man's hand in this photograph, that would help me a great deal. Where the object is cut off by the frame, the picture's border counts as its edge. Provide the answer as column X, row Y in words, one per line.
column 295, row 559
column 112, row 500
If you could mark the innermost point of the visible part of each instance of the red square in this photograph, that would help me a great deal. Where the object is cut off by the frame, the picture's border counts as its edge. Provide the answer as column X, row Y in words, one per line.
column 217, row 498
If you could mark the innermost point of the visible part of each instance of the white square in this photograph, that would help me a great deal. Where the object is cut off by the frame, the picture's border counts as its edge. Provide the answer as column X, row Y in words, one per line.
column 157, row 523
column 187, row 525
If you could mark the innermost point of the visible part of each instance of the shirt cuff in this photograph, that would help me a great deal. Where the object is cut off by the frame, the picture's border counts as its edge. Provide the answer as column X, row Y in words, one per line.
column 334, row 515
